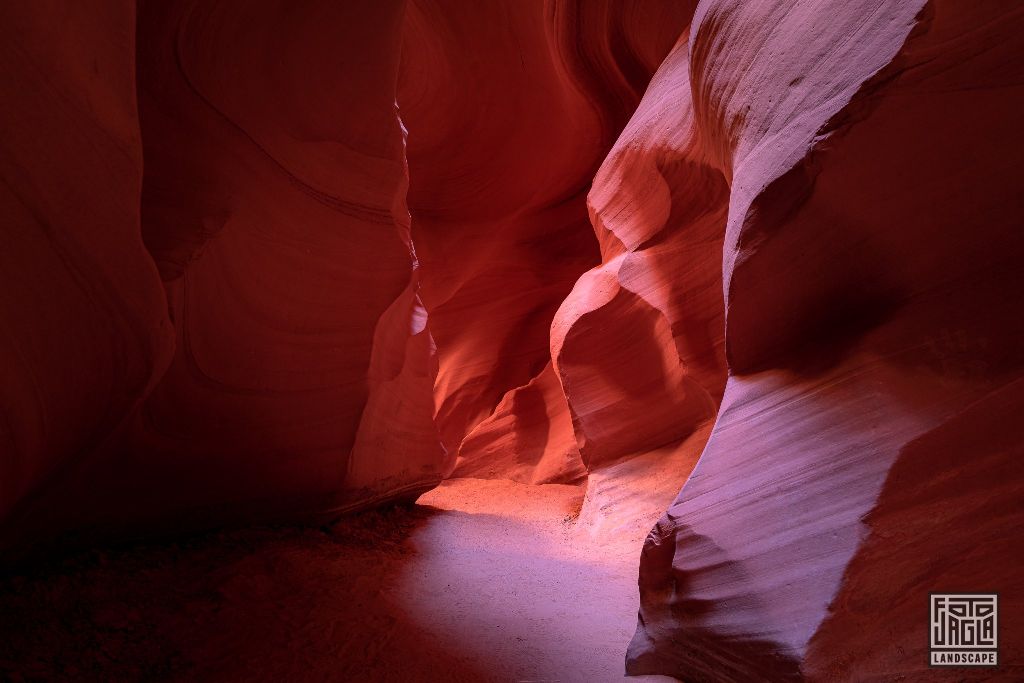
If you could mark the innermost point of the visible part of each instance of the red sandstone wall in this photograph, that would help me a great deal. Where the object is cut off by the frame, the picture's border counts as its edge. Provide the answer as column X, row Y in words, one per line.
column 269, row 260
column 871, row 316
column 270, row 178
column 85, row 327
column 342, row 302
column 511, row 106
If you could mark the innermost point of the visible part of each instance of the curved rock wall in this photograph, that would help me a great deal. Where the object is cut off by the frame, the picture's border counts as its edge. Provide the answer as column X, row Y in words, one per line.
column 343, row 302
column 511, row 106
column 85, row 325
column 283, row 250
column 269, row 260
column 272, row 201
column 867, row 282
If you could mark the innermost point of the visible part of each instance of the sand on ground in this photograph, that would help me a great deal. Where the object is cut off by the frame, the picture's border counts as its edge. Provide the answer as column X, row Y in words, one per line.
column 479, row 581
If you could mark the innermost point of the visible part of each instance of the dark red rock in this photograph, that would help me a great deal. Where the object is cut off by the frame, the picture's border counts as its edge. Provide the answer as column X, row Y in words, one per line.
column 84, row 319
column 273, row 261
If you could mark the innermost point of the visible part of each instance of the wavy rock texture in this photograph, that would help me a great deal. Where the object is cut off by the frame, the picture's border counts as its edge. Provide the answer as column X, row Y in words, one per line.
column 272, row 260
column 941, row 521
column 84, row 321
column 638, row 344
column 330, row 349
column 282, row 257
column 867, row 261
column 511, row 106
column 273, row 205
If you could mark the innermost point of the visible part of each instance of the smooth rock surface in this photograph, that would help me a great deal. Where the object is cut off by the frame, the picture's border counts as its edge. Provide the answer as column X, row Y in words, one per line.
column 867, row 285
column 85, row 330
column 273, row 261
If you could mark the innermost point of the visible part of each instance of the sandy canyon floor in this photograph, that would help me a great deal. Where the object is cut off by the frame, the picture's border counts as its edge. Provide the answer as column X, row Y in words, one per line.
column 479, row 581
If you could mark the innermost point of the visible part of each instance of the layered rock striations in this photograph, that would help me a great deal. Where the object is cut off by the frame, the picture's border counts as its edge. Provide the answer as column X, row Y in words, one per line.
column 510, row 107
column 869, row 318
column 85, row 327
column 274, row 261
column 309, row 307
column 270, row 178
column 282, row 250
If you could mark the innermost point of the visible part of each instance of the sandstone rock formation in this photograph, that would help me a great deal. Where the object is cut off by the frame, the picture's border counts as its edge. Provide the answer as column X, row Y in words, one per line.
column 869, row 318
column 315, row 347
column 273, row 206
column 511, row 107
column 85, row 327
column 277, row 261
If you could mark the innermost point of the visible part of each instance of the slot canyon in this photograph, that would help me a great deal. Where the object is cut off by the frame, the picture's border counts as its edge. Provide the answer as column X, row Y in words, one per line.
column 510, row 340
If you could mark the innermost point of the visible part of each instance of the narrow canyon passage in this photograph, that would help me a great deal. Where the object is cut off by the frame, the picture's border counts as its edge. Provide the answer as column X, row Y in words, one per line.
column 510, row 578
column 511, row 340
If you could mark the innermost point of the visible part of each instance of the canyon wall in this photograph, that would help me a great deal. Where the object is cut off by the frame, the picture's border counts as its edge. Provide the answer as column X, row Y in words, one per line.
column 230, row 188
column 511, row 107
column 872, row 327
column 241, row 289
column 86, row 332
column 269, row 261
